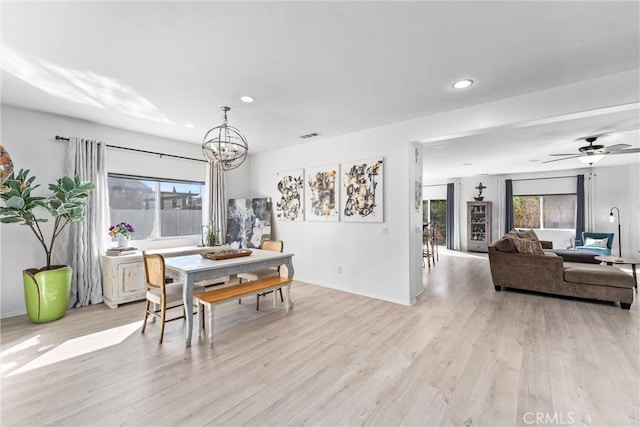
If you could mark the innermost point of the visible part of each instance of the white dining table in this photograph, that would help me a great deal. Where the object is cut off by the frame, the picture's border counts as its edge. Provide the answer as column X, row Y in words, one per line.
column 194, row 268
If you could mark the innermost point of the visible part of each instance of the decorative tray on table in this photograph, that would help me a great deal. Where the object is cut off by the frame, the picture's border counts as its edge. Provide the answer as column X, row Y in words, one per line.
column 226, row 254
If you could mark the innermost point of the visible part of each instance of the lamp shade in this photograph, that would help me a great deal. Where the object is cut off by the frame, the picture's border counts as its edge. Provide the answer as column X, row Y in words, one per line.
column 591, row 158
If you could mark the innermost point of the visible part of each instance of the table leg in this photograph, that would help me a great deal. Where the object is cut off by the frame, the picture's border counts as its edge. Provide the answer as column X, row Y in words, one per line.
column 187, row 296
column 290, row 271
column 211, row 315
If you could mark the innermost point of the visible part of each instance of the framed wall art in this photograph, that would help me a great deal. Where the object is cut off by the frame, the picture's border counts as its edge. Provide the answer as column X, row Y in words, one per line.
column 362, row 191
column 248, row 222
column 322, row 192
column 289, row 206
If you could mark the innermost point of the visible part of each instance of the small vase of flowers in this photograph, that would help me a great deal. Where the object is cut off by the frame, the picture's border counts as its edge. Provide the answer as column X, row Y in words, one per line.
column 122, row 232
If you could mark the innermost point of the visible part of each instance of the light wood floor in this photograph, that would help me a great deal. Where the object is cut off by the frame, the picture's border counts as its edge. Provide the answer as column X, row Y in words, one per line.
column 463, row 355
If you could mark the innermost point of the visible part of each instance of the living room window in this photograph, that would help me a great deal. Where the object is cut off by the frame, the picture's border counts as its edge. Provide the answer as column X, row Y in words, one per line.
column 156, row 208
column 549, row 211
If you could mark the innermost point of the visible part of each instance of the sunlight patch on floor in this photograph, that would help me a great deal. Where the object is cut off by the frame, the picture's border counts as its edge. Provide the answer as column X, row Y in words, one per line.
column 78, row 346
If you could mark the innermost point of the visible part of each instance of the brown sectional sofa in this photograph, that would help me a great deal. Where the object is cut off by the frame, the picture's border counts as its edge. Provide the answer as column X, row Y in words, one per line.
column 547, row 272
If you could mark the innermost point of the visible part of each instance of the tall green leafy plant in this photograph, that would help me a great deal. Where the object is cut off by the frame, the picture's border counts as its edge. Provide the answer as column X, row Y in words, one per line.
column 66, row 204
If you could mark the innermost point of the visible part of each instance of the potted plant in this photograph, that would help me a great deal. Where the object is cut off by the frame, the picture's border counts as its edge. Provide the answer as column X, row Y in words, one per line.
column 47, row 289
column 122, row 232
column 210, row 234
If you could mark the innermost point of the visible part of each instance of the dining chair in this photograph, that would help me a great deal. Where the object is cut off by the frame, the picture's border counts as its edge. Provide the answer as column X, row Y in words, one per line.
column 163, row 296
column 427, row 248
column 267, row 245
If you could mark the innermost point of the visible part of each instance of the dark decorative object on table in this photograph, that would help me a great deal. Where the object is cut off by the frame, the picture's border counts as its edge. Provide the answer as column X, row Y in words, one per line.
column 479, row 197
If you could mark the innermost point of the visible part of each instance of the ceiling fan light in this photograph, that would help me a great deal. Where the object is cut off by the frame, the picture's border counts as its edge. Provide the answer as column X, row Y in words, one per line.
column 591, row 158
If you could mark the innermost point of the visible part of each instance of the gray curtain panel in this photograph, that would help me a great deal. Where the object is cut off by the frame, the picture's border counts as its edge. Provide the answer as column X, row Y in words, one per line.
column 217, row 198
column 86, row 240
column 508, row 206
column 450, row 215
column 580, row 213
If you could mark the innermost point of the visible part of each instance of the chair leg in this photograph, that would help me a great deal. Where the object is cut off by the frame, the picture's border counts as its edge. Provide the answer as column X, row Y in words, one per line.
column 281, row 297
column 258, row 302
column 146, row 314
column 164, row 316
column 202, row 313
column 200, row 319
column 239, row 282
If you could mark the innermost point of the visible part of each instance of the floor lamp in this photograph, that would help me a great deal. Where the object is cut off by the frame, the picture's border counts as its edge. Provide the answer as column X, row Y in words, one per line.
column 612, row 219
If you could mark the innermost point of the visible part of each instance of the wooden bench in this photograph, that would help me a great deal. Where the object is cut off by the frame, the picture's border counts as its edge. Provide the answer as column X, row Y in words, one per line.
column 209, row 299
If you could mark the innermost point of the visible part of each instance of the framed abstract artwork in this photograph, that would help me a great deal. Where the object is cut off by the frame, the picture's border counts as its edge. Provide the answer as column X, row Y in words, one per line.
column 289, row 206
column 248, row 222
column 418, row 195
column 321, row 203
column 362, row 198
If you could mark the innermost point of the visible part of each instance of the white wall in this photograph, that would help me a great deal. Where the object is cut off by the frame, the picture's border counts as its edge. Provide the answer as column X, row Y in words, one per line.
column 374, row 257
column 29, row 138
column 618, row 186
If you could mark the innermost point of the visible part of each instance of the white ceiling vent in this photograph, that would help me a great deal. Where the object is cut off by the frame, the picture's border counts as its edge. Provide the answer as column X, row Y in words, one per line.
column 309, row 135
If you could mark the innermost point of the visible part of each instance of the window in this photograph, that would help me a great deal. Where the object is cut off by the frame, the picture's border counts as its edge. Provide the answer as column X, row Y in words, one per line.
column 553, row 211
column 155, row 207
column 436, row 211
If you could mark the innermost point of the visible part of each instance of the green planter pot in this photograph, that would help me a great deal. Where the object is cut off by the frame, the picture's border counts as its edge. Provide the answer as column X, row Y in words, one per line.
column 46, row 292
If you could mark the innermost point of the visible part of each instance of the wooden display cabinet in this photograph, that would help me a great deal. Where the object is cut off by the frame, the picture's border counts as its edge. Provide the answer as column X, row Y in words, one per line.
column 478, row 226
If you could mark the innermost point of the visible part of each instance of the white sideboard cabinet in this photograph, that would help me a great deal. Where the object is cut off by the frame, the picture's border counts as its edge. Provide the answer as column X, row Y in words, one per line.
column 123, row 278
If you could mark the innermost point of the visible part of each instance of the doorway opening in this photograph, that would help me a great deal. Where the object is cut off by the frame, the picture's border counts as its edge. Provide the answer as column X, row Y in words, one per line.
column 434, row 216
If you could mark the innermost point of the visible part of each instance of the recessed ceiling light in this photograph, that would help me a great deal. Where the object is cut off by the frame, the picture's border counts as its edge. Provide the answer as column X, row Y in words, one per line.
column 461, row 84
column 247, row 99
column 189, row 125
column 466, row 164
column 437, row 147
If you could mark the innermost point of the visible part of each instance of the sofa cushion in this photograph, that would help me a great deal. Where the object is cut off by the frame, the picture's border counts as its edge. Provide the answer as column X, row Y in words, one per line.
column 526, row 246
column 504, row 245
column 595, row 274
column 573, row 255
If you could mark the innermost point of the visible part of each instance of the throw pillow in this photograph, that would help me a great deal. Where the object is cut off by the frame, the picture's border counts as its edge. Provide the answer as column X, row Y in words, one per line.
column 527, row 234
column 526, row 246
column 504, row 245
column 596, row 243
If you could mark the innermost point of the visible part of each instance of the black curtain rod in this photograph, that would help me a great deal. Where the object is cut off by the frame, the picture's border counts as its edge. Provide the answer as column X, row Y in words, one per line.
column 62, row 138
column 549, row 177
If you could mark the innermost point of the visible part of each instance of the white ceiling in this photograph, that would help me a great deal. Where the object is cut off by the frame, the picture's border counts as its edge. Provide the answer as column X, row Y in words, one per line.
column 326, row 67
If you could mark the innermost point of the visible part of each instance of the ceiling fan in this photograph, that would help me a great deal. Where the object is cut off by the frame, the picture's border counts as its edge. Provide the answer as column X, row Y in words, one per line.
column 593, row 153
